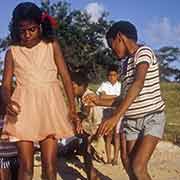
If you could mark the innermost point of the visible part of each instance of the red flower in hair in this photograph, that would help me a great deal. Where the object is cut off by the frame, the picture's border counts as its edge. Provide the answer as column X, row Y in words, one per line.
column 53, row 22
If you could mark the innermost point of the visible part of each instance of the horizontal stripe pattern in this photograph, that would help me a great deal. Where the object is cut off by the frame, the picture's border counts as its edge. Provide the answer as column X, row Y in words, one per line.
column 7, row 149
column 6, row 163
column 149, row 100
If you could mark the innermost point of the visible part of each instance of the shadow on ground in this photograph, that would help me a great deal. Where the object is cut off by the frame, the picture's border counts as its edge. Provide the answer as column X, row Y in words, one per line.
column 72, row 169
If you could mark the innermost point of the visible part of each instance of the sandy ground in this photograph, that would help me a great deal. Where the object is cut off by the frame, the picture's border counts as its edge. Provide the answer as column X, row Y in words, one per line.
column 164, row 165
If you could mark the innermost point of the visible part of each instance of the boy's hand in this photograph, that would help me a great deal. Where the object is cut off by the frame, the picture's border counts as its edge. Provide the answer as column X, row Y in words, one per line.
column 13, row 108
column 90, row 99
column 107, row 126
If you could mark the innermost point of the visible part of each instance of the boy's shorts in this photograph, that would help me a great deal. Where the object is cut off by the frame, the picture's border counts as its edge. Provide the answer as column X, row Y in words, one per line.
column 152, row 124
column 120, row 126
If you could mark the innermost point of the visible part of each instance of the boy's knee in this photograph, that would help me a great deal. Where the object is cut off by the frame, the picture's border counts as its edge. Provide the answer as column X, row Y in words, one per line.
column 139, row 170
column 49, row 167
column 93, row 175
column 124, row 157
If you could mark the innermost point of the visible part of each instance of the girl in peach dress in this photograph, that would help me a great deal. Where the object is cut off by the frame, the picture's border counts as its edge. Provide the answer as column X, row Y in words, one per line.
column 36, row 110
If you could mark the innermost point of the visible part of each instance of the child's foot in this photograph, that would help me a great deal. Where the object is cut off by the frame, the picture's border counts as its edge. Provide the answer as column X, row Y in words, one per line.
column 115, row 162
column 108, row 161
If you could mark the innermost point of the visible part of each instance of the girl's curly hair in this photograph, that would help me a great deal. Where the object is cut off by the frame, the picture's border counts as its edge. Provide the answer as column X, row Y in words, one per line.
column 31, row 12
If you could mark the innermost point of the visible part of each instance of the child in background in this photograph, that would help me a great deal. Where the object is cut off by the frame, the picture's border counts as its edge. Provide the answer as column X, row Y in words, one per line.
column 36, row 111
column 80, row 144
column 80, row 85
column 8, row 151
column 108, row 90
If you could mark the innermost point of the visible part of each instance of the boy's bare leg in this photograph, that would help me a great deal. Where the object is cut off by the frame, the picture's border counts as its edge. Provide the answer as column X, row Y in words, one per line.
column 87, row 156
column 143, row 155
column 123, row 151
column 116, row 148
column 128, row 156
column 5, row 174
column 14, row 170
column 108, row 140
column 139, row 153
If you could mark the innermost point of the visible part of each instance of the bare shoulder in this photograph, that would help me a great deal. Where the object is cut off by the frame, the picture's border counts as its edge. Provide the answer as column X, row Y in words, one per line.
column 8, row 55
column 56, row 44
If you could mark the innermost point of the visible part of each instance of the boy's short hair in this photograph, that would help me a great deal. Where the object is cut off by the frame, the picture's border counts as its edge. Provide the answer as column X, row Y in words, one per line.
column 113, row 68
column 80, row 78
column 124, row 27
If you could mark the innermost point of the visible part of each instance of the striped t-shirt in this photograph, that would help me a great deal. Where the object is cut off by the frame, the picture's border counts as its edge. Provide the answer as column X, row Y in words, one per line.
column 149, row 99
column 7, row 149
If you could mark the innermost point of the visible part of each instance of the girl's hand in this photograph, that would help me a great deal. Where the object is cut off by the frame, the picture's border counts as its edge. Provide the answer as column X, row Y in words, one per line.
column 13, row 108
column 107, row 126
column 74, row 118
column 78, row 126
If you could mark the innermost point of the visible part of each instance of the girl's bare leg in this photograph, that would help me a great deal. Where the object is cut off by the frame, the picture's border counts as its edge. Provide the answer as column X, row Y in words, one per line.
column 128, row 156
column 49, row 158
column 25, row 152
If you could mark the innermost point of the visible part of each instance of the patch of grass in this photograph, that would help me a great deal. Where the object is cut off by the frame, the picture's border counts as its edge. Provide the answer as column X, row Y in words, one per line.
column 171, row 96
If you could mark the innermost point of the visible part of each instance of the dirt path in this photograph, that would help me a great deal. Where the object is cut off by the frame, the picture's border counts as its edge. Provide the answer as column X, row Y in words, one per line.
column 164, row 165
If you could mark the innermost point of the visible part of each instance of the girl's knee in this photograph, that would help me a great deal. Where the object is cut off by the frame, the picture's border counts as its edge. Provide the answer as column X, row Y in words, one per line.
column 26, row 165
column 27, row 170
column 49, row 167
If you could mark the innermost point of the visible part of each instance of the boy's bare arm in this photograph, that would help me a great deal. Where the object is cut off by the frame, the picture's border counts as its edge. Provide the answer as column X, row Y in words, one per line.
column 12, row 107
column 101, row 100
column 105, row 96
column 97, row 100
column 133, row 92
column 109, row 102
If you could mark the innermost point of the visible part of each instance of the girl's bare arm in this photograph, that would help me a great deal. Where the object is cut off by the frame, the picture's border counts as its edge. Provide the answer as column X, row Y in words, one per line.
column 63, row 71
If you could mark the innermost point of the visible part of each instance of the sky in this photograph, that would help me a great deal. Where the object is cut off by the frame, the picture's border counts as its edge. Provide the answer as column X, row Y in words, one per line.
column 157, row 21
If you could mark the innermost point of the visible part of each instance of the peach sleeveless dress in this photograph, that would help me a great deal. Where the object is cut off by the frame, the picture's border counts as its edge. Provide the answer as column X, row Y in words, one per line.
column 38, row 92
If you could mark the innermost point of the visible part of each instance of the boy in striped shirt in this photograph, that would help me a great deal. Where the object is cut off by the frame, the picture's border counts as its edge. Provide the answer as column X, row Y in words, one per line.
column 8, row 152
column 141, row 103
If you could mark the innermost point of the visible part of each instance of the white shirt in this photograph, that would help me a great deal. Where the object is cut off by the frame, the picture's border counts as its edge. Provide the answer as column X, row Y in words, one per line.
column 110, row 89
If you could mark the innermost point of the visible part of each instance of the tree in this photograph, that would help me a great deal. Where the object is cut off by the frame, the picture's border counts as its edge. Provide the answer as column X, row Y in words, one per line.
column 81, row 39
column 169, row 57
column 82, row 42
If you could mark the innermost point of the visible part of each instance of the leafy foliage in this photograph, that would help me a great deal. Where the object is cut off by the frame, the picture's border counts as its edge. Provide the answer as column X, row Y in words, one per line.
column 168, row 56
column 83, row 43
